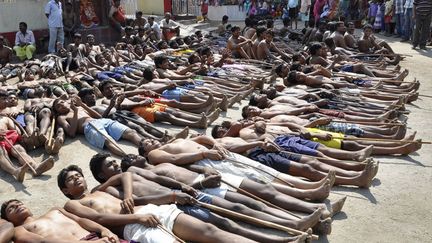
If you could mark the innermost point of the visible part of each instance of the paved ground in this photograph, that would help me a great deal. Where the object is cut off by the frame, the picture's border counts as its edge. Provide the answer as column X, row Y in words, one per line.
column 395, row 209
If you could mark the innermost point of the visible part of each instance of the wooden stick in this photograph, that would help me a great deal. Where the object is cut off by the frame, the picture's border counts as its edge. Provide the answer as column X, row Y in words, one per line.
column 51, row 133
column 260, row 199
column 253, row 220
column 108, row 138
column 381, row 140
column 19, row 155
column 161, row 227
column 370, row 123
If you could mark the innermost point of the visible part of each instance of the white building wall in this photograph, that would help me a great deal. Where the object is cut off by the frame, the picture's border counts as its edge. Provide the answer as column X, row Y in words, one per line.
column 30, row 11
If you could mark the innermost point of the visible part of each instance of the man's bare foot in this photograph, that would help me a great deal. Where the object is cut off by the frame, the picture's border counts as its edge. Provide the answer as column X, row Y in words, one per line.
column 202, row 123
column 44, row 166
column 223, row 105
column 183, row 133
column 56, row 146
column 411, row 147
column 337, row 206
column 320, row 193
column 236, row 98
column 364, row 153
column 212, row 108
column 402, row 75
column 323, row 227
column 410, row 137
column 213, row 116
column 246, row 93
column 310, row 220
column 364, row 179
column 20, row 173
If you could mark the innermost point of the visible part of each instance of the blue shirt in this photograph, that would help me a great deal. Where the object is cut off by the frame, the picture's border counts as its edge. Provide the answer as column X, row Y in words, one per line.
column 398, row 6
column 27, row 38
column 292, row 3
column 54, row 11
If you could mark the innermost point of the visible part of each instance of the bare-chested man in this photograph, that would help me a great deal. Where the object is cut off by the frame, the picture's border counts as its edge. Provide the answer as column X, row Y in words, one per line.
column 144, row 182
column 78, row 118
column 239, row 45
column 5, row 52
column 338, row 36
column 195, row 151
column 7, row 231
column 267, row 45
column 350, row 39
column 140, row 224
column 51, row 226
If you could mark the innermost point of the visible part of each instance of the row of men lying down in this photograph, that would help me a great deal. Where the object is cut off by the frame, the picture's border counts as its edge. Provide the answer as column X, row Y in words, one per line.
column 380, row 100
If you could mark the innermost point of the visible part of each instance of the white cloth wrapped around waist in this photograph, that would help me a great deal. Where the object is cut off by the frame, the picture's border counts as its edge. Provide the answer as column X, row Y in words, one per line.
column 166, row 214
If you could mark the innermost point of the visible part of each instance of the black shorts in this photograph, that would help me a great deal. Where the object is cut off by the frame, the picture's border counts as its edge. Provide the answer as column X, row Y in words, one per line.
column 292, row 13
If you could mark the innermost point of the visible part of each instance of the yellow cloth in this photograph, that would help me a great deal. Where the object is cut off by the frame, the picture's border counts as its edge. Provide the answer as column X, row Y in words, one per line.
column 25, row 51
column 335, row 142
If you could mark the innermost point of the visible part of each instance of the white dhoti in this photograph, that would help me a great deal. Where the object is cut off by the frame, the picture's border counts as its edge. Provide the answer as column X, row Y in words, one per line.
column 140, row 233
column 239, row 168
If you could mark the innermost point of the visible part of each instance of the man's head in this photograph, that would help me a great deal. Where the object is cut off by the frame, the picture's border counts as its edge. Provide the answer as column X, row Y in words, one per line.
column 71, row 182
column 107, row 89
column 194, row 58
column 148, row 74
column 117, row 3
column 12, row 99
column 322, row 25
column 132, row 160
column 315, row 49
column 340, row 27
column 161, row 61
column 167, row 16
column 129, row 31
column 23, row 27
column 293, row 78
column 87, row 96
column 225, row 19
column 218, row 131
column 150, row 20
column 100, row 59
column 147, row 145
column 350, row 28
column 269, row 35
column 259, row 100
column 367, row 30
column 235, row 30
column 29, row 75
column 261, row 31
column 77, row 38
column 103, row 167
column 250, row 111
column 60, row 107
column 138, row 14
column 91, row 39
column 15, row 212
column 298, row 57
column 282, row 70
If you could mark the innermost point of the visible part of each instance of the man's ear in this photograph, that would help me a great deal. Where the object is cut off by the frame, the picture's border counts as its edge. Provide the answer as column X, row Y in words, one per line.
column 101, row 175
column 65, row 191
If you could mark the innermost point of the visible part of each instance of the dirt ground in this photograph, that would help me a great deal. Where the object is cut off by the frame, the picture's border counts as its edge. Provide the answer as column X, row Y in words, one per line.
column 395, row 209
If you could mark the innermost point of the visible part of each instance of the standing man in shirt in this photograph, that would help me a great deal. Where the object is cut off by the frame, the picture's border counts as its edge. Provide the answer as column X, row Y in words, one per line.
column 423, row 16
column 24, row 42
column 53, row 11
column 408, row 20
column 398, row 11
column 169, row 27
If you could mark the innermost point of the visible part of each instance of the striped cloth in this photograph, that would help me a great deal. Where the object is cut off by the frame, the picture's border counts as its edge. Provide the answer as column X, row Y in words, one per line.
column 398, row 4
column 423, row 7
column 378, row 18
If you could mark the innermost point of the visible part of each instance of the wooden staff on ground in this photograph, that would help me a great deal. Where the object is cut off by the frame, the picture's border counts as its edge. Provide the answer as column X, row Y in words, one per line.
column 161, row 227
column 20, row 155
column 51, row 132
column 253, row 220
column 371, row 123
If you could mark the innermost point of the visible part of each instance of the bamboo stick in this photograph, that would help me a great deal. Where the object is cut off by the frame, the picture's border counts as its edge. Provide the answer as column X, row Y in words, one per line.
column 370, row 123
column 51, row 133
column 19, row 155
column 108, row 138
column 161, row 227
column 253, row 220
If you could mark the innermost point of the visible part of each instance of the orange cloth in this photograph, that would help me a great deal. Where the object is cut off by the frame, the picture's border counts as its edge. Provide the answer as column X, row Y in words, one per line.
column 148, row 112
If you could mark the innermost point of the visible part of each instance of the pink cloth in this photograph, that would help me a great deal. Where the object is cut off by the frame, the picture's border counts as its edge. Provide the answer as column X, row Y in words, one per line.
column 319, row 4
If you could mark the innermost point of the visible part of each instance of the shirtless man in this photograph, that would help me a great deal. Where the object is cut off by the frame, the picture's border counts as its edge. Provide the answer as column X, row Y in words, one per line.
column 107, row 171
column 9, row 137
column 338, row 36
column 267, row 45
column 194, row 151
column 7, row 231
column 5, row 53
column 51, row 226
column 76, row 48
column 349, row 37
column 77, row 117
column 369, row 44
column 239, row 45
column 260, row 34
column 138, row 224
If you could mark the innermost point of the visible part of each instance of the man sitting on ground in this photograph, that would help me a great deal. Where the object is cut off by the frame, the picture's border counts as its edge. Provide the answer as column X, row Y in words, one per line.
column 24, row 43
